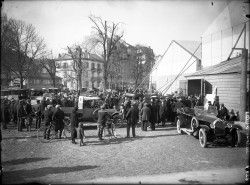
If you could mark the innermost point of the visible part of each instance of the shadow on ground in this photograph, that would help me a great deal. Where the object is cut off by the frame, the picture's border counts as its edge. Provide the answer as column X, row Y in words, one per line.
column 19, row 176
column 23, row 161
column 125, row 140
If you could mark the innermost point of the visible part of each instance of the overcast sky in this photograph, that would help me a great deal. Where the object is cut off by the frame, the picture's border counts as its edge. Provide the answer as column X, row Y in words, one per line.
column 152, row 23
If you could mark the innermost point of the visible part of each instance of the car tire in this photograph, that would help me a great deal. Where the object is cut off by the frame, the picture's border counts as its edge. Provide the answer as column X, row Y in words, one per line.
column 236, row 138
column 203, row 138
column 194, row 123
column 178, row 126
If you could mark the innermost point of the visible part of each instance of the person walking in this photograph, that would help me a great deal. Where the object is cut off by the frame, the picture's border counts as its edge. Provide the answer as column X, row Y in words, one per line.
column 145, row 115
column 58, row 118
column 102, row 118
column 132, row 117
column 48, row 113
column 74, row 124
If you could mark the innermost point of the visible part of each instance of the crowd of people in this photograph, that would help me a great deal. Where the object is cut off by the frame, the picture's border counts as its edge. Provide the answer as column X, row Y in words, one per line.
column 135, row 108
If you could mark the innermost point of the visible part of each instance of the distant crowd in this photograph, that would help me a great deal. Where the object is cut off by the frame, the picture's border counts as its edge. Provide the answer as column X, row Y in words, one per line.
column 150, row 110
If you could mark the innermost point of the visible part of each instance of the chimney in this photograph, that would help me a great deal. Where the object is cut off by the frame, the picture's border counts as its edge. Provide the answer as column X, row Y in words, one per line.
column 198, row 65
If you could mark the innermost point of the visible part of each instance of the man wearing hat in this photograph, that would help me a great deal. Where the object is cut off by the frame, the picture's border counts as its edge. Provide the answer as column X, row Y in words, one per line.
column 21, row 114
column 74, row 124
column 58, row 118
column 132, row 116
column 145, row 115
column 48, row 113
column 102, row 118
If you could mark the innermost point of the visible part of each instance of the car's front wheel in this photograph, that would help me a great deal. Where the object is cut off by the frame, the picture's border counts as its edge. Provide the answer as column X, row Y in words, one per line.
column 203, row 138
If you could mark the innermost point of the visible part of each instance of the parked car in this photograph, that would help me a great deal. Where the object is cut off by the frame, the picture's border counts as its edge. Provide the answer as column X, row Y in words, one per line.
column 205, row 126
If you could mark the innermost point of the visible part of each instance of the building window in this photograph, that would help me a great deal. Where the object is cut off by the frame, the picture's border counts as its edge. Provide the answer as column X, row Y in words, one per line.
column 92, row 65
column 65, row 65
column 87, row 65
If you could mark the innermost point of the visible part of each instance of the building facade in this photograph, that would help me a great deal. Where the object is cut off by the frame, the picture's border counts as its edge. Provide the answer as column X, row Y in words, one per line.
column 92, row 74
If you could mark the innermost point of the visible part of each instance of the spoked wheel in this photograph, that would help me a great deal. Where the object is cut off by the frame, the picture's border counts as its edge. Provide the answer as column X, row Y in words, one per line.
column 194, row 123
column 119, row 122
column 41, row 136
column 178, row 126
column 203, row 138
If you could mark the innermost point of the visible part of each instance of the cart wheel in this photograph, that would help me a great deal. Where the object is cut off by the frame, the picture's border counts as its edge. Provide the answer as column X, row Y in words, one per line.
column 194, row 123
column 178, row 126
column 203, row 138
column 236, row 138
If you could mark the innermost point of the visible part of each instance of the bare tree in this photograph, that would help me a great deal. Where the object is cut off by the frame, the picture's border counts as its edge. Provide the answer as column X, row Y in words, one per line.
column 50, row 65
column 76, row 54
column 107, row 37
column 24, row 45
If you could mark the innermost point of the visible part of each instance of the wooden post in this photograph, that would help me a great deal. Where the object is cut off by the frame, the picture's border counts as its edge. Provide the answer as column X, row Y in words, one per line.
column 247, row 146
column 243, row 84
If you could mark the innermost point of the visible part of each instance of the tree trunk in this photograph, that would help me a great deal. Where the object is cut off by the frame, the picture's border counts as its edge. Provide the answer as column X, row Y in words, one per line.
column 54, row 81
column 79, row 81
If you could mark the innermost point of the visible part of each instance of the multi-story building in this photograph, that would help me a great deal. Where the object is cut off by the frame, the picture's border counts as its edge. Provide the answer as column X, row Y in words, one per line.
column 92, row 74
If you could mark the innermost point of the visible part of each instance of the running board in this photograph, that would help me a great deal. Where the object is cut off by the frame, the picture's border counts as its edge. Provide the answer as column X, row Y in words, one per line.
column 187, row 131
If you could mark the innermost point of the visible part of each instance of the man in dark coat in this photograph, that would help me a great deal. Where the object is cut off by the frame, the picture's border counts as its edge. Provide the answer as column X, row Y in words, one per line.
column 21, row 114
column 13, row 111
column 132, row 116
column 102, row 118
column 74, row 124
column 154, row 114
column 5, row 113
column 223, row 112
column 145, row 115
column 48, row 113
column 58, row 118
column 29, row 112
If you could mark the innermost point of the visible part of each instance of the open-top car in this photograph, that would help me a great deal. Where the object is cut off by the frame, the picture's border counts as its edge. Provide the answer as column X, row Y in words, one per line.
column 206, row 126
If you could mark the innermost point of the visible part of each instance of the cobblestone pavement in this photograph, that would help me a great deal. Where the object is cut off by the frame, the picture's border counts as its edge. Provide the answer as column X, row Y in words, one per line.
column 151, row 153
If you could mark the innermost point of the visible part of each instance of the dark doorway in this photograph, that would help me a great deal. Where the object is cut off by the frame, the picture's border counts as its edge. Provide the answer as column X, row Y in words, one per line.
column 208, row 88
column 194, row 87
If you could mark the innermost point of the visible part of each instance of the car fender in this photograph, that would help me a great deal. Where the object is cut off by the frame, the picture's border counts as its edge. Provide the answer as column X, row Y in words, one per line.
column 204, row 126
column 238, row 127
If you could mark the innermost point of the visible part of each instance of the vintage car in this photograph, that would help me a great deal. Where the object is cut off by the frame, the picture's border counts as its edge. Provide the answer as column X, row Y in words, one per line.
column 204, row 125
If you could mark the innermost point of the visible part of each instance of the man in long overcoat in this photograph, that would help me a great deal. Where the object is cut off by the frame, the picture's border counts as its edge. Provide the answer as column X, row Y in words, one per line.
column 58, row 118
column 132, row 116
column 145, row 115
column 21, row 114
column 48, row 114
column 74, row 124
column 102, row 119
column 5, row 113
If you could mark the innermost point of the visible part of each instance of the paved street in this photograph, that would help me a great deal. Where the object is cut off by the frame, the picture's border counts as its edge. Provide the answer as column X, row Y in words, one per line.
column 154, row 156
